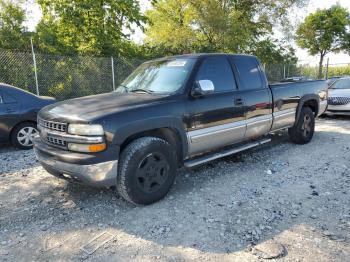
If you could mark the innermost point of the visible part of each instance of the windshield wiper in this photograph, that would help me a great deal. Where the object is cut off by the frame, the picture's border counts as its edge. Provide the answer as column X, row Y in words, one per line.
column 142, row 90
column 126, row 90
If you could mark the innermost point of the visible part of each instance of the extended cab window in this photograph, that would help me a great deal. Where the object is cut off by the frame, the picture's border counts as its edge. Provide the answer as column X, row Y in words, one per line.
column 219, row 71
column 249, row 73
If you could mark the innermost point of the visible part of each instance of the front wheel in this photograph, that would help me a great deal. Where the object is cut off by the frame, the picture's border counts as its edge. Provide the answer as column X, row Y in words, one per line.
column 303, row 131
column 147, row 170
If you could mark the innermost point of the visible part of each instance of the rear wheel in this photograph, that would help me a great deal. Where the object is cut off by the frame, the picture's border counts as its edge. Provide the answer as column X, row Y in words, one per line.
column 303, row 130
column 23, row 135
column 147, row 170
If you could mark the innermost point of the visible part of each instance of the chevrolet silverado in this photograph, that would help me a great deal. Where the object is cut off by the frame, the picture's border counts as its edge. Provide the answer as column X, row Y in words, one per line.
column 173, row 112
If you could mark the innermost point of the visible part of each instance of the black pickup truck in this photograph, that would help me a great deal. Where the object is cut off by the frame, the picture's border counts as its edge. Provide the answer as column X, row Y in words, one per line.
column 169, row 113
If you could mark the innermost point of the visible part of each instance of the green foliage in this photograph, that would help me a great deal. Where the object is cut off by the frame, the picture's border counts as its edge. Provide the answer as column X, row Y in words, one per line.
column 13, row 34
column 63, row 77
column 271, row 51
column 339, row 71
column 312, row 71
column 325, row 31
column 88, row 27
column 83, row 28
column 170, row 27
column 309, row 71
column 183, row 26
column 16, row 68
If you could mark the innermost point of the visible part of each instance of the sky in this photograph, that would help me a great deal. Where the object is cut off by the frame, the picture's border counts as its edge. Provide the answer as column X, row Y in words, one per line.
column 35, row 14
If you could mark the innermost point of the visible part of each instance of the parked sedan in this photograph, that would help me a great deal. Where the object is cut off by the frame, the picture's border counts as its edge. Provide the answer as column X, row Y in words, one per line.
column 18, row 113
column 339, row 97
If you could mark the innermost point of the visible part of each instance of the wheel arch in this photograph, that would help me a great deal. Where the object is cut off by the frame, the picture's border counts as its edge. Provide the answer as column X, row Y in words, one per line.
column 171, row 130
column 170, row 135
column 311, row 101
column 20, row 123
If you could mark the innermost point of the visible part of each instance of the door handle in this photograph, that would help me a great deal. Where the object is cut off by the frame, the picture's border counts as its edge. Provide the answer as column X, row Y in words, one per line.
column 238, row 101
column 9, row 110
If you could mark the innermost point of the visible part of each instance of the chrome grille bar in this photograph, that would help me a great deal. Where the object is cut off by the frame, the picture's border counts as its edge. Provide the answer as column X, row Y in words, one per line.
column 61, row 127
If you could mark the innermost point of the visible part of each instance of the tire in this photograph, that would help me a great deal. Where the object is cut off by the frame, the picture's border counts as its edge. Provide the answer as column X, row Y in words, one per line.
column 303, row 131
column 22, row 135
column 147, row 170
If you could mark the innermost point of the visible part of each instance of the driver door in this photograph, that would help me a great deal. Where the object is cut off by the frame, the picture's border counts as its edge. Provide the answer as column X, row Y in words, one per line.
column 218, row 119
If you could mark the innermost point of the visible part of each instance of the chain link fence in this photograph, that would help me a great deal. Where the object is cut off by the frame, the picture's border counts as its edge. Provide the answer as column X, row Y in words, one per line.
column 16, row 68
column 278, row 72
column 65, row 77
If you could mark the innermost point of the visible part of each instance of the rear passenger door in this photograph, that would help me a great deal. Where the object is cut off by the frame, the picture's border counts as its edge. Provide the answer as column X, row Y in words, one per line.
column 256, row 95
column 217, row 119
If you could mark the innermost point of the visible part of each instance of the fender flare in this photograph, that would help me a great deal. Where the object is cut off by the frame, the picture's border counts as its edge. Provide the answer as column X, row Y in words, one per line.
column 302, row 102
column 124, row 132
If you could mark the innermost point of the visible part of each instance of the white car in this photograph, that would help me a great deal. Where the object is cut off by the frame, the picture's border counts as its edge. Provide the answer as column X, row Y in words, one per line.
column 339, row 97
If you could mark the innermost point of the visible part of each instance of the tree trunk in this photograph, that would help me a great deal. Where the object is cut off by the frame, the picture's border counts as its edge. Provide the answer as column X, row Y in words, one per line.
column 320, row 67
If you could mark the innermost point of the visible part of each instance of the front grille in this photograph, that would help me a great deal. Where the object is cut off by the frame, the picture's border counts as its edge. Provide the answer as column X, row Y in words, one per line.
column 56, row 141
column 61, row 127
column 55, row 134
column 46, row 127
column 337, row 101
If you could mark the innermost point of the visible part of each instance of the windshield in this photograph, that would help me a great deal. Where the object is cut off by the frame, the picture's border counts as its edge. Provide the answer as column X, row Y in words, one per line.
column 341, row 84
column 161, row 77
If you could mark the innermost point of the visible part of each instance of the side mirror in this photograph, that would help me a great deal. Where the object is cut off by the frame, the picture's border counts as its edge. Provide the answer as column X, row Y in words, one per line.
column 202, row 88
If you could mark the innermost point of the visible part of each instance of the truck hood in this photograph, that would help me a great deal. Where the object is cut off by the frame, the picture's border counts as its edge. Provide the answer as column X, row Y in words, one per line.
column 89, row 108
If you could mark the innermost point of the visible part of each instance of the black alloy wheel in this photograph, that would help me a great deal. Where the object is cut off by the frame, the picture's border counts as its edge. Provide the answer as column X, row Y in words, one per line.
column 152, row 172
column 146, row 171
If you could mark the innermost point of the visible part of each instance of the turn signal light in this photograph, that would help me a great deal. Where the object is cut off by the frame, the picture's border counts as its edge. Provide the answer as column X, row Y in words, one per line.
column 97, row 147
column 91, row 148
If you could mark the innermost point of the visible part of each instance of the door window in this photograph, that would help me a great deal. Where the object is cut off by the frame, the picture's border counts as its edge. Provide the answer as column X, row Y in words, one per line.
column 8, row 98
column 219, row 71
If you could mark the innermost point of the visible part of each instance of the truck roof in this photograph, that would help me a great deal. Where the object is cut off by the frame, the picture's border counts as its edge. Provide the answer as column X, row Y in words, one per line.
column 199, row 55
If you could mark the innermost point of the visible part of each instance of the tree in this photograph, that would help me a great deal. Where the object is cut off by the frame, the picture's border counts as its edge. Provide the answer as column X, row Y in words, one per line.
column 13, row 34
column 170, row 26
column 274, row 52
column 324, row 31
column 88, row 27
column 213, row 25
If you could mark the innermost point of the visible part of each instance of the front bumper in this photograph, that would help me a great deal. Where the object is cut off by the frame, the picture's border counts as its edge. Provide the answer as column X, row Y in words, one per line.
column 98, row 174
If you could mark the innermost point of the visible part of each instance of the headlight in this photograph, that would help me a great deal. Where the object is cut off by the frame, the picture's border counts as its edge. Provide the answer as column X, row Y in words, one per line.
column 85, row 148
column 85, row 130
column 323, row 95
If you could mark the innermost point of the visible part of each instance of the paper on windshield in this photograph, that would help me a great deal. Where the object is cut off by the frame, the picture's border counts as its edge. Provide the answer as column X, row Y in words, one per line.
column 177, row 63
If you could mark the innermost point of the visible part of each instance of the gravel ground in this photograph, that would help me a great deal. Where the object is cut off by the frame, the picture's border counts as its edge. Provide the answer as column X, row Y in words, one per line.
column 280, row 201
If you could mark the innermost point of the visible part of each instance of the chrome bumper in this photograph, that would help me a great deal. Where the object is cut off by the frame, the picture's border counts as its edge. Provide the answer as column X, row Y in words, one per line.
column 98, row 175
